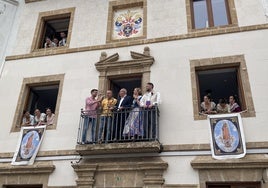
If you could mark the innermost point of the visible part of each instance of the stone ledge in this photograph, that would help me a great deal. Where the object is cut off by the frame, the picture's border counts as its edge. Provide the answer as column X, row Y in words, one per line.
column 250, row 161
column 196, row 34
column 116, row 148
column 36, row 168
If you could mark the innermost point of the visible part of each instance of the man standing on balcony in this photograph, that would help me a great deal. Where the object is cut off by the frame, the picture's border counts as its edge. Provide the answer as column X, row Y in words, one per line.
column 149, row 101
column 91, row 107
column 123, row 105
column 107, row 106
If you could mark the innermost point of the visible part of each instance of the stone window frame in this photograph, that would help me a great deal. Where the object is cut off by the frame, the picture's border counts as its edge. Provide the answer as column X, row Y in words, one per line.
column 36, row 81
column 50, row 15
column 113, row 5
column 190, row 16
column 222, row 62
column 110, row 67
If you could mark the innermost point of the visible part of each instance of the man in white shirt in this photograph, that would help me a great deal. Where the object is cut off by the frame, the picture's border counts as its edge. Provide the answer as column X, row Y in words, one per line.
column 149, row 101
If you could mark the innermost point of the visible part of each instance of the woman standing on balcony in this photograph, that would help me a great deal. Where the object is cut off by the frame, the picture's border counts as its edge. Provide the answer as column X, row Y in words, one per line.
column 133, row 126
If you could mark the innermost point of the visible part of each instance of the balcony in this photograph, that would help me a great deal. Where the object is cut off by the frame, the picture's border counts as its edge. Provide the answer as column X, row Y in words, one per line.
column 126, row 131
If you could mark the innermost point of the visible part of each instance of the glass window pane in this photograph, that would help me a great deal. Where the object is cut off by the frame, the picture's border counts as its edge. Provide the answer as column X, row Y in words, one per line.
column 200, row 14
column 219, row 12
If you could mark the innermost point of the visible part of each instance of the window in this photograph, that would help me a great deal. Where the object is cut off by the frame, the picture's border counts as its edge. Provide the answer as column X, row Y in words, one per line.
column 129, row 83
column 210, row 14
column 41, row 97
column 39, row 93
column 235, row 185
column 221, row 77
column 220, row 83
column 53, row 29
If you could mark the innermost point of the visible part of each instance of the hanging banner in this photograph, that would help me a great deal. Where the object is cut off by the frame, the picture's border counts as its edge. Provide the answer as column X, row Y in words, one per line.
column 227, row 136
column 28, row 145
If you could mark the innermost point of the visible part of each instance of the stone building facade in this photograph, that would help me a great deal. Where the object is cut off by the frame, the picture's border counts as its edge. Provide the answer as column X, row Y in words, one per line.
column 179, row 45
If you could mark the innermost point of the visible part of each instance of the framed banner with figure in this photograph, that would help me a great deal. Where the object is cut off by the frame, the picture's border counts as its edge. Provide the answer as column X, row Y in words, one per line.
column 227, row 136
column 28, row 145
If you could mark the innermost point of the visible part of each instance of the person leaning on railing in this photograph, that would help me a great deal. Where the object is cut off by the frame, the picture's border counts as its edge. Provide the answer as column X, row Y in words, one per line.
column 107, row 105
column 90, row 115
column 149, row 101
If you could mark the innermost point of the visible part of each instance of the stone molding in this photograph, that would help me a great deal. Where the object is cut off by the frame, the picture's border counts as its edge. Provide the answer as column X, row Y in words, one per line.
column 120, row 172
column 251, row 168
column 109, row 67
column 237, row 61
column 119, row 148
column 36, row 81
column 165, row 148
column 195, row 34
column 38, row 173
column 32, row 1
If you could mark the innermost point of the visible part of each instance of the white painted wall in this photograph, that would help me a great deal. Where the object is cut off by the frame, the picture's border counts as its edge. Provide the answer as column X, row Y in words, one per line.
column 8, row 13
column 90, row 20
column 250, row 12
column 63, row 175
column 170, row 74
column 179, row 170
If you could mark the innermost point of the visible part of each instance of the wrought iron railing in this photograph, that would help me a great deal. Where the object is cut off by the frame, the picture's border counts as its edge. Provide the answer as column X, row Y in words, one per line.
column 127, row 125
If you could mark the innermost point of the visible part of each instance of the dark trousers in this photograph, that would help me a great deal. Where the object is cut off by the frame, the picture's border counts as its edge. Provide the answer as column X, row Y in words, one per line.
column 149, row 122
column 119, row 124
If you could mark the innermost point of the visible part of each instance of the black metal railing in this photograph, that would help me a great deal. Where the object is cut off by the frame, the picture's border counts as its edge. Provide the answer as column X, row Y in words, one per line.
column 127, row 125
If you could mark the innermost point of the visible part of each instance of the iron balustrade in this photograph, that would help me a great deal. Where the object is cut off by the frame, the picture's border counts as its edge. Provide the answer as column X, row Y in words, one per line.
column 126, row 125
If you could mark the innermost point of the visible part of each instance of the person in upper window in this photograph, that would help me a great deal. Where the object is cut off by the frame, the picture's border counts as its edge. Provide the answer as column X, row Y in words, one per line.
column 39, row 118
column 223, row 107
column 208, row 106
column 28, row 119
column 63, row 39
column 56, row 41
column 234, row 107
column 49, row 117
column 49, row 43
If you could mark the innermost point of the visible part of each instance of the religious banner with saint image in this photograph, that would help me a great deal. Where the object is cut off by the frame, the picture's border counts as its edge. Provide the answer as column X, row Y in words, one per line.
column 28, row 145
column 227, row 136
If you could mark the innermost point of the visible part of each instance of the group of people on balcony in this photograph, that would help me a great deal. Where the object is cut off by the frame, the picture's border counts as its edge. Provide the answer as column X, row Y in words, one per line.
column 209, row 107
column 120, row 118
column 55, row 42
column 38, row 118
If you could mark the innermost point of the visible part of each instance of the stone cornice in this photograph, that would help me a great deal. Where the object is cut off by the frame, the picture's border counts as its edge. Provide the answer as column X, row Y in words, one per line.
column 190, row 35
column 114, row 148
column 249, row 161
column 37, row 167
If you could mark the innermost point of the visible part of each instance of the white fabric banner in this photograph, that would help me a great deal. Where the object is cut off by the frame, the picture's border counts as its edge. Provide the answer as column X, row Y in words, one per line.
column 226, row 136
column 28, row 145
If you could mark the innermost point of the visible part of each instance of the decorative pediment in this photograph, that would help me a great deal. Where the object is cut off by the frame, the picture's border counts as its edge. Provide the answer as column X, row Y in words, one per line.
column 138, row 59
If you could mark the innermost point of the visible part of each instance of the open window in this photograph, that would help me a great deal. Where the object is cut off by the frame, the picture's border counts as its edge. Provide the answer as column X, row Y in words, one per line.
column 53, row 29
column 129, row 83
column 42, row 97
column 220, row 83
column 221, row 77
column 39, row 93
